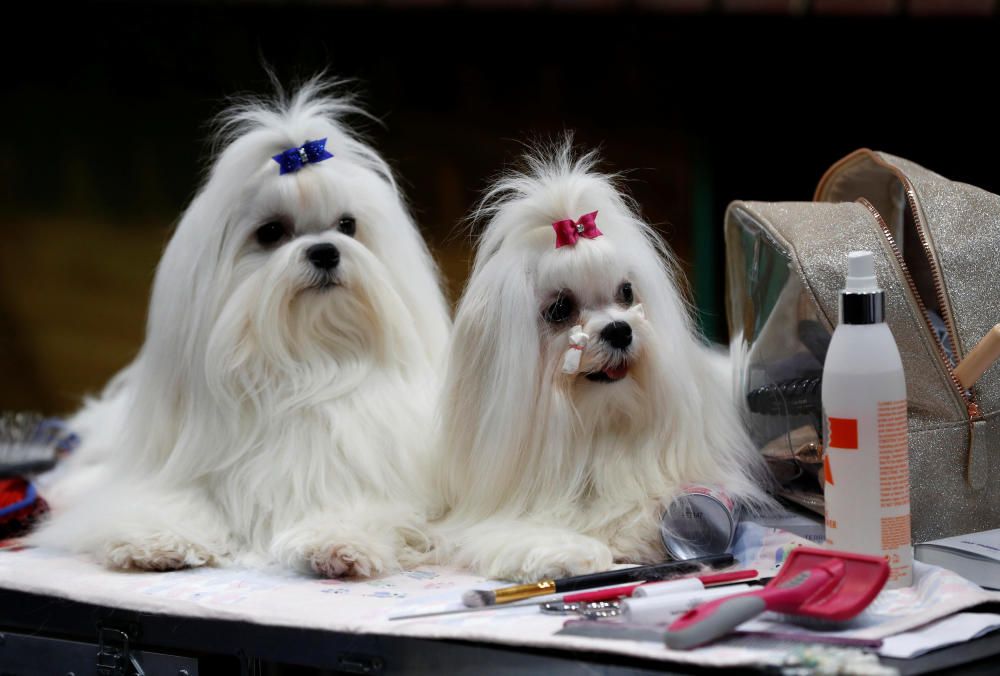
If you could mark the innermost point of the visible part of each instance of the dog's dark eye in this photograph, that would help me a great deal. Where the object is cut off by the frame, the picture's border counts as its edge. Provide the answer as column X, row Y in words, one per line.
column 560, row 310
column 625, row 295
column 347, row 225
column 271, row 233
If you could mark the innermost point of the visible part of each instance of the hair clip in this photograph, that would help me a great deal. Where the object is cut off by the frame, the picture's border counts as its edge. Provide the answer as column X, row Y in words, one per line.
column 294, row 159
column 569, row 231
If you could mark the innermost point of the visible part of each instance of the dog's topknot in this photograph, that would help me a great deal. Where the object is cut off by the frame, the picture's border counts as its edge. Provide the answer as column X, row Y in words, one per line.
column 318, row 108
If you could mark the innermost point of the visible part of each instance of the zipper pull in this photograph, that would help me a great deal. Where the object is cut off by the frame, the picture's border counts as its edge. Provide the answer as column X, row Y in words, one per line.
column 973, row 410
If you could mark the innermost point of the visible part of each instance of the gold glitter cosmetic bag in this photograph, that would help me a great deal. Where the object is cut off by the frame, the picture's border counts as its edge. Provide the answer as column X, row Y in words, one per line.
column 937, row 255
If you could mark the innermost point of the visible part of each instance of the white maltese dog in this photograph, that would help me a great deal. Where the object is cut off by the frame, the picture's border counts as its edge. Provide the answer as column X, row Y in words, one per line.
column 280, row 408
column 578, row 399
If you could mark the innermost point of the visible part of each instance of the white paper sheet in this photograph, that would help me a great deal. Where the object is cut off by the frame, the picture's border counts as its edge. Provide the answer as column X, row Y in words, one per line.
column 949, row 631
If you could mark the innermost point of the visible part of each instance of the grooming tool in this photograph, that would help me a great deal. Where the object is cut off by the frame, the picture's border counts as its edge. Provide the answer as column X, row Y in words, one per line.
column 30, row 442
column 463, row 611
column 592, row 610
column 693, row 583
column 814, row 583
column 663, row 609
column 575, row 599
column 796, row 396
column 698, row 522
column 983, row 355
column 648, row 610
column 661, row 571
column 600, row 594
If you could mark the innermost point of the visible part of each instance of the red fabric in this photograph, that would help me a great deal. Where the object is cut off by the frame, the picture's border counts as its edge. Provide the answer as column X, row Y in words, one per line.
column 20, row 521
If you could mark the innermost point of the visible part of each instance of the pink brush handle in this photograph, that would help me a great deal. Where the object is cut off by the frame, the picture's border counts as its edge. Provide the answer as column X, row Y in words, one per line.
column 717, row 618
column 726, row 578
column 600, row 594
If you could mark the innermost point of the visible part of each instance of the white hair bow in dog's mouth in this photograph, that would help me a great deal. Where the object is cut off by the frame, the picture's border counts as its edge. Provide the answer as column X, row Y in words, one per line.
column 578, row 340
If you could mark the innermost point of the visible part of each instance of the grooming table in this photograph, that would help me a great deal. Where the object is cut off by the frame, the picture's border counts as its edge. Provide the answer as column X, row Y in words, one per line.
column 56, row 608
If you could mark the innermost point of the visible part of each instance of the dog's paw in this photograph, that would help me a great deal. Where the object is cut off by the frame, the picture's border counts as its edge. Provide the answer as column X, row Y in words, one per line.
column 155, row 552
column 416, row 546
column 568, row 557
column 637, row 536
column 345, row 560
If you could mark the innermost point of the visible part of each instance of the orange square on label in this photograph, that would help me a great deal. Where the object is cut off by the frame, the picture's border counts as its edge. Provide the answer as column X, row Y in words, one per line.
column 843, row 432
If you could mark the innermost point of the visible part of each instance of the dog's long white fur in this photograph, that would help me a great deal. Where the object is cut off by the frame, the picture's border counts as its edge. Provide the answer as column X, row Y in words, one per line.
column 265, row 418
column 545, row 474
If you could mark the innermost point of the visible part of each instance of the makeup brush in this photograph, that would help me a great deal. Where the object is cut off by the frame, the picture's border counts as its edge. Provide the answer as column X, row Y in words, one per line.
column 475, row 598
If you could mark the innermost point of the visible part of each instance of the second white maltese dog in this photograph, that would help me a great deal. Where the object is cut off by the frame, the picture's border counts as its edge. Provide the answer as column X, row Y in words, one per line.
column 280, row 406
column 578, row 400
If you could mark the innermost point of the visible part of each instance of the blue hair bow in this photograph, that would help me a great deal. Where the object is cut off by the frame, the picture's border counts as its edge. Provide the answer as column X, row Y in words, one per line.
column 294, row 159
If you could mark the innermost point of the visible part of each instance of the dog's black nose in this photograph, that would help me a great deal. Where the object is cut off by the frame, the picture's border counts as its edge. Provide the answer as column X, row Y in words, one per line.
column 617, row 334
column 323, row 256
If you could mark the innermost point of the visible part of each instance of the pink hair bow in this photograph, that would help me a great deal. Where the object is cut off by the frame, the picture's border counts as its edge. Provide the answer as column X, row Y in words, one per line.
column 569, row 231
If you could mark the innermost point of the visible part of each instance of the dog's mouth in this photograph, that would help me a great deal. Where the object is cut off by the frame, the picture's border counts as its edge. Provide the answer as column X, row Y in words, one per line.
column 324, row 283
column 609, row 374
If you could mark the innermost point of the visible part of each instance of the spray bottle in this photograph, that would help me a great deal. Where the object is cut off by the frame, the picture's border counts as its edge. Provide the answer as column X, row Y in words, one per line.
column 866, row 456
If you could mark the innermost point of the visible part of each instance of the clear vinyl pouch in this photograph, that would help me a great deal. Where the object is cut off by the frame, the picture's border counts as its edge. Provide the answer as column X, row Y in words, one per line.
column 778, row 342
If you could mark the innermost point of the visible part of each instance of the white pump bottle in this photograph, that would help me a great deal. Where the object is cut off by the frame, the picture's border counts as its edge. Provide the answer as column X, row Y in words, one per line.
column 866, row 453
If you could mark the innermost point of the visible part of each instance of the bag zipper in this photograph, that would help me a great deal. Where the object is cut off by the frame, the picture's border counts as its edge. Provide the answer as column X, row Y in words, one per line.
column 966, row 396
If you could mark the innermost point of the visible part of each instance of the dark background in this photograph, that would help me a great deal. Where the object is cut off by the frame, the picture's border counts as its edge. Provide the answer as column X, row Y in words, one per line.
column 701, row 102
